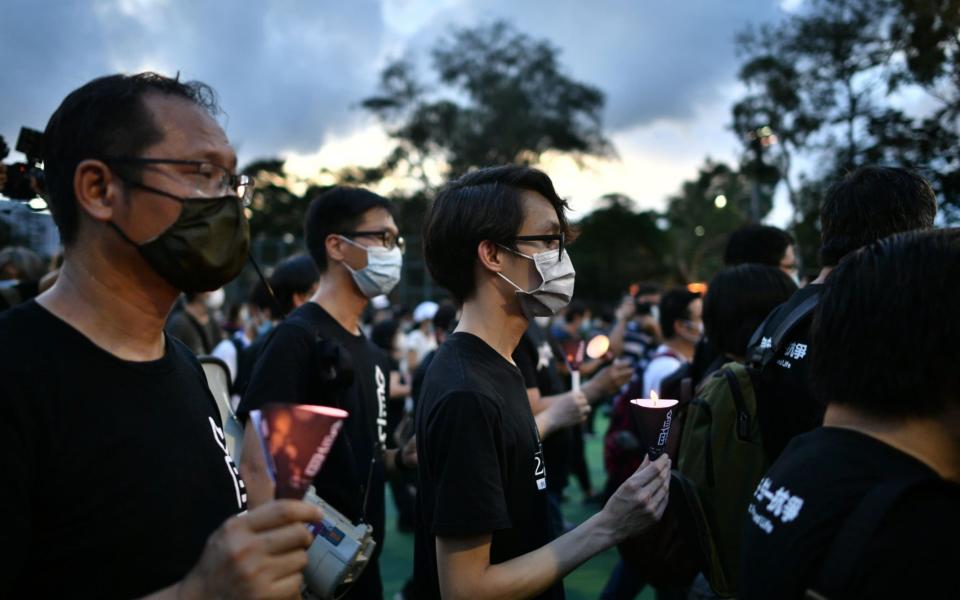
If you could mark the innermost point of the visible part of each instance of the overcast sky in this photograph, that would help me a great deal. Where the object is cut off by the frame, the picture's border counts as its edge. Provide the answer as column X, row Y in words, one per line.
column 290, row 73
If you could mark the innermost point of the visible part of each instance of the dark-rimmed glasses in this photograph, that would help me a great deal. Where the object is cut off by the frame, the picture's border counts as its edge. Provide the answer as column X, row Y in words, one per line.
column 559, row 238
column 208, row 178
column 389, row 239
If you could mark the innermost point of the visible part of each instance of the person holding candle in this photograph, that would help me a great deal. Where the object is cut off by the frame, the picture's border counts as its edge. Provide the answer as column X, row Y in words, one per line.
column 352, row 237
column 682, row 324
column 496, row 239
column 117, row 480
column 866, row 506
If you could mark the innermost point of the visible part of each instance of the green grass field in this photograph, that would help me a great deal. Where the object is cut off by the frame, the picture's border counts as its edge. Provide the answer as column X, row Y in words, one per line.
column 396, row 562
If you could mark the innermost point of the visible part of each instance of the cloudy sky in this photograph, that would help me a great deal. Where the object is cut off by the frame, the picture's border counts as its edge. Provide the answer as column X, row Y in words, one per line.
column 290, row 73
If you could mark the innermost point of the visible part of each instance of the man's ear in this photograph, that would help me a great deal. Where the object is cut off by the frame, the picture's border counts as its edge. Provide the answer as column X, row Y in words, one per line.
column 335, row 247
column 96, row 189
column 490, row 256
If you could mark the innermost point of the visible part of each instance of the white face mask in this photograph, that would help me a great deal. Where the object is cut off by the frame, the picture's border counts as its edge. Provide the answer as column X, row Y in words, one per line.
column 216, row 298
column 555, row 292
column 382, row 272
column 695, row 338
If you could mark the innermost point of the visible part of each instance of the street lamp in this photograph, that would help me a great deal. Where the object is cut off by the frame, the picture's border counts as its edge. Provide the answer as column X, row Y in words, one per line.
column 759, row 138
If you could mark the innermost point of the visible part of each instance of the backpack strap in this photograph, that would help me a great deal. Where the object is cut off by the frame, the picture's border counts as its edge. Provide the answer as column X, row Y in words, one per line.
column 743, row 417
column 669, row 353
column 760, row 357
column 841, row 560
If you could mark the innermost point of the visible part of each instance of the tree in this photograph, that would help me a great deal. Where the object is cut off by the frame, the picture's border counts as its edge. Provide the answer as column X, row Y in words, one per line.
column 616, row 246
column 707, row 209
column 276, row 211
column 826, row 82
column 502, row 98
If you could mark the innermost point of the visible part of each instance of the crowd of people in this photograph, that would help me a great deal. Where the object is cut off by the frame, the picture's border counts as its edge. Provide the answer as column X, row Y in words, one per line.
column 811, row 447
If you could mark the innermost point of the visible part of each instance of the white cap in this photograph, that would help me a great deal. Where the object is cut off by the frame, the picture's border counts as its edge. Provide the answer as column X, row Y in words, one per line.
column 380, row 302
column 425, row 311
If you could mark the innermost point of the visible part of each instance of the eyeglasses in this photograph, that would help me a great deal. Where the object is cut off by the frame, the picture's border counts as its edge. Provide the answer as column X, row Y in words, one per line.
column 553, row 241
column 208, row 178
column 389, row 239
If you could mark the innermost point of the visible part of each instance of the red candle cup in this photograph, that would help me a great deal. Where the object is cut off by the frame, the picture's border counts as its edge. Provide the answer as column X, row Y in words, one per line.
column 296, row 439
column 655, row 417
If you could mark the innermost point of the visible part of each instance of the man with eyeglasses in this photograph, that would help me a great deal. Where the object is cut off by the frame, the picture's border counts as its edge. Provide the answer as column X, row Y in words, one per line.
column 352, row 237
column 117, row 480
column 494, row 238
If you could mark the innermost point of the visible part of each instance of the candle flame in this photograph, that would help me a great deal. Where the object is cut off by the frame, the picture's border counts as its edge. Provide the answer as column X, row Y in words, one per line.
column 654, row 397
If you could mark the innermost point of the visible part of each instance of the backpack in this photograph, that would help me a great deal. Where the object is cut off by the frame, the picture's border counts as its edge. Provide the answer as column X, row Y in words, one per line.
column 721, row 460
column 722, row 456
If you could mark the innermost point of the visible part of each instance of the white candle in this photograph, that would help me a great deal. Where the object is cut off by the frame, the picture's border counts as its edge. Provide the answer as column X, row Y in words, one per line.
column 654, row 403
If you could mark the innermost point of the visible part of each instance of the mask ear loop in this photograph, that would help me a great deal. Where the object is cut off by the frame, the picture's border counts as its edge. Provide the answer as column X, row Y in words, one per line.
column 273, row 296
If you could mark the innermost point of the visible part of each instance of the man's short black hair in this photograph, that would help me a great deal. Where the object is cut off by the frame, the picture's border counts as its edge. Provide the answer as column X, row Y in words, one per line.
column 384, row 335
column 675, row 304
column 739, row 299
column 885, row 331
column 293, row 275
column 260, row 297
column 574, row 310
column 103, row 118
column 870, row 204
column 337, row 210
column 759, row 244
column 482, row 205
column 445, row 317
column 648, row 288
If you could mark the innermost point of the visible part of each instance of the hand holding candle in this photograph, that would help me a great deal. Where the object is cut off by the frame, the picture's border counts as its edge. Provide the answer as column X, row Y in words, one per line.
column 597, row 348
column 296, row 439
column 655, row 417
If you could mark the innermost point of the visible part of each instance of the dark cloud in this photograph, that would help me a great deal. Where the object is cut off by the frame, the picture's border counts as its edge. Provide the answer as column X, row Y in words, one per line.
column 290, row 72
column 287, row 73
column 654, row 59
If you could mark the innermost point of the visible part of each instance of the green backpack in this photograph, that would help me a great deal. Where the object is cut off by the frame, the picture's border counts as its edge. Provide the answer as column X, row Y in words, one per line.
column 720, row 463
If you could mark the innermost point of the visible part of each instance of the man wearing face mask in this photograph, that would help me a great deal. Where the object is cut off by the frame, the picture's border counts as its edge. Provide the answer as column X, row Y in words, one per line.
column 194, row 323
column 495, row 239
column 352, row 237
column 117, row 481
column 681, row 319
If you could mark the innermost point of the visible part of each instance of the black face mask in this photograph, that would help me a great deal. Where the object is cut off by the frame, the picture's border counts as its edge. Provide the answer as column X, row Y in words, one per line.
column 204, row 248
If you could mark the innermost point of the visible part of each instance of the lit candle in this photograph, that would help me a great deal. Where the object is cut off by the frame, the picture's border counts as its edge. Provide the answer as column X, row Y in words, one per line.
column 655, row 417
column 654, row 401
column 598, row 347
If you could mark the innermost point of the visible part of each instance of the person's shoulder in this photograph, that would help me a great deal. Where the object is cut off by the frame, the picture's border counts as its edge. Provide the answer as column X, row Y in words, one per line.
column 303, row 325
column 460, row 405
column 913, row 550
column 664, row 358
column 182, row 355
column 26, row 330
column 925, row 516
column 781, row 311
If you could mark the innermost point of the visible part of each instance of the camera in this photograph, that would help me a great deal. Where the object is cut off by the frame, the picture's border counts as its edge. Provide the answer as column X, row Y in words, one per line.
column 24, row 179
column 339, row 553
column 644, row 308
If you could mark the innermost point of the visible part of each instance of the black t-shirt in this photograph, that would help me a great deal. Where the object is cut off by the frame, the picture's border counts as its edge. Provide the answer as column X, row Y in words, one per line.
column 286, row 371
column 785, row 403
column 804, row 500
column 536, row 358
column 481, row 463
column 114, row 472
